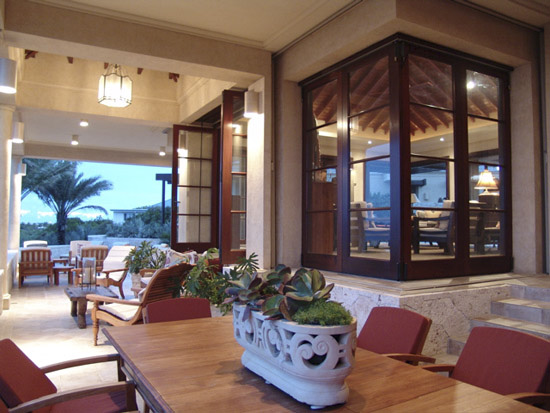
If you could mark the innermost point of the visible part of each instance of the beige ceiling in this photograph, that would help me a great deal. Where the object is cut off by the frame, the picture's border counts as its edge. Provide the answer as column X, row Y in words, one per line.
column 265, row 24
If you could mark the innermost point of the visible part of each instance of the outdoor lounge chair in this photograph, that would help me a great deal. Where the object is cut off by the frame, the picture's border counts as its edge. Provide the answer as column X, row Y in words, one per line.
column 25, row 386
column 504, row 361
column 397, row 333
column 119, row 312
column 114, row 271
column 35, row 261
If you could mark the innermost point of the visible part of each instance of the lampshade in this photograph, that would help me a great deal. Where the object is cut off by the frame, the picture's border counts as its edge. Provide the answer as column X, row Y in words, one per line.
column 251, row 104
column 8, row 70
column 486, row 182
column 414, row 198
column 74, row 140
column 115, row 88
column 17, row 132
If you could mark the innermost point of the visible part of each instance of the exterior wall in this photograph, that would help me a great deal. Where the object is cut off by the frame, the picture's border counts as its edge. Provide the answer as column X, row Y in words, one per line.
column 448, row 24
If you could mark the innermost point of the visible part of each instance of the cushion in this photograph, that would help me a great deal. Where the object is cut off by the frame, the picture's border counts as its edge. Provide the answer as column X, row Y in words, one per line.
column 174, row 257
column 122, row 311
column 100, row 403
column 115, row 276
column 20, row 379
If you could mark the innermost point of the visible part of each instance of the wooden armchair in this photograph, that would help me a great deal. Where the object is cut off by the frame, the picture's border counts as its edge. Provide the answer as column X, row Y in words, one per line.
column 369, row 229
column 397, row 333
column 114, row 271
column 441, row 230
column 163, row 285
column 99, row 252
column 504, row 361
column 35, row 261
column 24, row 387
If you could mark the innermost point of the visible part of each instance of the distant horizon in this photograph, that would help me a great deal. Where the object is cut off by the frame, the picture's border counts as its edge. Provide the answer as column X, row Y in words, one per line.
column 134, row 186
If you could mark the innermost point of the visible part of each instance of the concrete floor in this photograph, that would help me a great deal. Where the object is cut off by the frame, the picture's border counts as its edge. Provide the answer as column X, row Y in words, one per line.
column 39, row 322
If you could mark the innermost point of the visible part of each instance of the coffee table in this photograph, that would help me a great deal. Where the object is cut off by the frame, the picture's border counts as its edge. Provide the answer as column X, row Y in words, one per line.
column 79, row 304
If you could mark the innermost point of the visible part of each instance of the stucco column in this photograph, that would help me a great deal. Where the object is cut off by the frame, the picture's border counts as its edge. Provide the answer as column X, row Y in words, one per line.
column 6, row 115
column 15, row 203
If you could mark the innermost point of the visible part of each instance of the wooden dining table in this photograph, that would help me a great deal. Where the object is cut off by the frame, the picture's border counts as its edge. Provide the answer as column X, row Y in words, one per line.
column 195, row 366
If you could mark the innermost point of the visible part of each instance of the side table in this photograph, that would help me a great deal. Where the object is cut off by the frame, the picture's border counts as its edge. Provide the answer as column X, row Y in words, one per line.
column 62, row 268
column 79, row 304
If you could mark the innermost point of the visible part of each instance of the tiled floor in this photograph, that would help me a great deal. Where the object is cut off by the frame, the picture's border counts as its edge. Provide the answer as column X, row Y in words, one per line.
column 39, row 322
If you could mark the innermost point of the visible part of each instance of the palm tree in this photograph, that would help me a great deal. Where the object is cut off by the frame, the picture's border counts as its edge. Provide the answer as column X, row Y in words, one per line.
column 67, row 191
column 39, row 171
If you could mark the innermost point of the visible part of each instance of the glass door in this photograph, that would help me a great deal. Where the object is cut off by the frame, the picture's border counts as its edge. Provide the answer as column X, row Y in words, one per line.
column 195, row 193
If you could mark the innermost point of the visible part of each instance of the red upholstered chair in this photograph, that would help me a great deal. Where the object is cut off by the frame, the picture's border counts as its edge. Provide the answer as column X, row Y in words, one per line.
column 397, row 333
column 22, row 382
column 175, row 309
column 504, row 361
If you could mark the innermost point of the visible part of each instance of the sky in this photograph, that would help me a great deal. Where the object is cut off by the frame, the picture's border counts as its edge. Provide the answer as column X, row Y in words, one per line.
column 133, row 187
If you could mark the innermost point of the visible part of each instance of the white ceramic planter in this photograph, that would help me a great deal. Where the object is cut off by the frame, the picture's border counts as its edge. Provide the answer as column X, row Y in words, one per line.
column 310, row 363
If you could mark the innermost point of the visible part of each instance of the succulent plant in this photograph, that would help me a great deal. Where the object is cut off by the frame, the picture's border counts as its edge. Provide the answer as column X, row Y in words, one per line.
column 301, row 290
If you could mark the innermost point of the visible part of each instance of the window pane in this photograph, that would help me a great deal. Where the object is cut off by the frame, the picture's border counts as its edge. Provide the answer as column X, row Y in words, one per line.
column 206, row 173
column 188, row 229
column 377, row 183
column 320, row 143
column 483, row 140
column 369, row 231
column 239, row 154
column 485, row 227
column 431, row 132
column 432, row 181
column 189, row 200
column 369, row 86
column 483, row 91
column 205, row 234
column 430, row 82
column 238, row 193
column 189, row 172
column 207, row 146
column 238, row 231
column 433, row 232
column 206, row 201
column 189, row 144
column 370, row 134
column 321, row 105
column 484, row 186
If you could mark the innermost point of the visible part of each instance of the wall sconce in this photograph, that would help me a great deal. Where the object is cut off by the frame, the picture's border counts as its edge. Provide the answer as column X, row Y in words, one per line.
column 8, row 70
column 74, row 140
column 84, row 123
column 251, row 104
column 17, row 132
column 115, row 88
column 487, row 182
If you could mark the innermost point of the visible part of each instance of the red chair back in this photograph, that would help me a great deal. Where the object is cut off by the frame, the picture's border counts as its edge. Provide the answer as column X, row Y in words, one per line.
column 20, row 379
column 504, row 361
column 394, row 330
column 176, row 309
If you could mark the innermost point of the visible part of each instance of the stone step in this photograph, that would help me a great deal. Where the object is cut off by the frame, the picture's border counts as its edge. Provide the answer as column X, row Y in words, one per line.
column 456, row 344
column 534, row 311
column 537, row 329
column 530, row 292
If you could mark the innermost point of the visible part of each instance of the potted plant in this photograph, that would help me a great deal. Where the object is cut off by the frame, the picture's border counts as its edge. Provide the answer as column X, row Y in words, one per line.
column 293, row 335
column 206, row 280
column 144, row 256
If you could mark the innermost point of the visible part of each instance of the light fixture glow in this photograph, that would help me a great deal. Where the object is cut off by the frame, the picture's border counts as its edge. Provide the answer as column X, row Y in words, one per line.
column 74, row 140
column 115, row 88
column 486, row 182
column 369, row 142
column 442, row 139
column 8, row 70
column 162, row 151
column 17, row 133
column 84, row 123
column 251, row 104
column 470, row 85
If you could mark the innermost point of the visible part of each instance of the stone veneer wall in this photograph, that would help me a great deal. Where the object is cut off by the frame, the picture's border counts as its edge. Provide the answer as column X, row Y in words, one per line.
column 450, row 310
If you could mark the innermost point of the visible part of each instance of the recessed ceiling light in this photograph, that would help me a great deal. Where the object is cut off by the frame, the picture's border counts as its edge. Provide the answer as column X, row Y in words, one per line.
column 369, row 142
column 442, row 139
column 74, row 140
column 162, row 151
column 83, row 123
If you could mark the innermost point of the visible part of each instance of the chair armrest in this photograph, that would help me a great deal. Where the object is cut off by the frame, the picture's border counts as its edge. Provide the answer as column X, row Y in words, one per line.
column 412, row 358
column 64, row 396
column 81, row 362
column 77, row 271
column 143, row 272
column 439, row 367
column 97, row 298
column 110, row 271
column 532, row 398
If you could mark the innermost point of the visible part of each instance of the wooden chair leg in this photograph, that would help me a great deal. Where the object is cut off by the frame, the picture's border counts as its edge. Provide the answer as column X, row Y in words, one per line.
column 121, row 291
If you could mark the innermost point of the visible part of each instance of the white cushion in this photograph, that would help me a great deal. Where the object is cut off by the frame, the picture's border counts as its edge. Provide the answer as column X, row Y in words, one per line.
column 122, row 311
column 115, row 276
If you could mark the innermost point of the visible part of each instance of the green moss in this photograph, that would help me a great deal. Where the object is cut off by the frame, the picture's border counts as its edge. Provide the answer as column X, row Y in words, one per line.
column 324, row 313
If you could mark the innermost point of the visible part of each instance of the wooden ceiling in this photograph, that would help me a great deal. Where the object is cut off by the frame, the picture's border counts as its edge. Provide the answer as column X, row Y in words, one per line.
column 431, row 96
